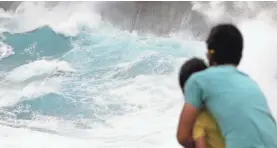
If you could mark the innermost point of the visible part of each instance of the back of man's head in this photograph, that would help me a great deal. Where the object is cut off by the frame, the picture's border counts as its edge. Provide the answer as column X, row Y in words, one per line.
column 188, row 68
column 225, row 44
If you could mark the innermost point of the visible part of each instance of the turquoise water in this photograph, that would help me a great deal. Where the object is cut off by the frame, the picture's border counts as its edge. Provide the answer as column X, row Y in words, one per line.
column 104, row 62
column 70, row 80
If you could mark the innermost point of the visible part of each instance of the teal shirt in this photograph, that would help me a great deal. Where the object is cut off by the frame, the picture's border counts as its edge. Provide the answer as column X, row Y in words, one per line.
column 238, row 105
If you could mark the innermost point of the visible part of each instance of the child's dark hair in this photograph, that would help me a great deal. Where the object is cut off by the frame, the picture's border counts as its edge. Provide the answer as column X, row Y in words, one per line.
column 188, row 68
column 226, row 41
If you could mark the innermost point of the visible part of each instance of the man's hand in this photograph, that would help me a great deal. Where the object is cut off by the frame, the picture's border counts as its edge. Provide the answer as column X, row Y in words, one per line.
column 201, row 142
column 186, row 122
column 190, row 144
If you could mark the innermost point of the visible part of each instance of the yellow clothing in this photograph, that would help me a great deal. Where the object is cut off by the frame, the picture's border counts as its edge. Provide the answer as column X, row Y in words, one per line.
column 206, row 125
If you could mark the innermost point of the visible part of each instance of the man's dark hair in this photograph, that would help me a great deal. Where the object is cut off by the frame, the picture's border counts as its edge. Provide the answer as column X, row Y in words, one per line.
column 227, row 43
column 188, row 68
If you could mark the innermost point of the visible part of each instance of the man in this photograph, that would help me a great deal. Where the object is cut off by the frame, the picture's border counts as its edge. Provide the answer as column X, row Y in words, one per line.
column 232, row 97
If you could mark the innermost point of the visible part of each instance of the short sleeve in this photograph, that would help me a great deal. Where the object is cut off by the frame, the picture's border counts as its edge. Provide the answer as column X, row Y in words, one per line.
column 193, row 93
column 198, row 129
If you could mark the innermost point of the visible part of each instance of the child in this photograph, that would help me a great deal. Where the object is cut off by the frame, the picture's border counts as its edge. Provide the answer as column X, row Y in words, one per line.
column 206, row 133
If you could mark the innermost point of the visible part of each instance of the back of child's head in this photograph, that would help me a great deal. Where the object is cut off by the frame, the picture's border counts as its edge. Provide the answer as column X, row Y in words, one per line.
column 188, row 68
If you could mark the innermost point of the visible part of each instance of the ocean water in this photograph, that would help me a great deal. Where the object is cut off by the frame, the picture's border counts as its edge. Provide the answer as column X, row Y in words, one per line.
column 70, row 80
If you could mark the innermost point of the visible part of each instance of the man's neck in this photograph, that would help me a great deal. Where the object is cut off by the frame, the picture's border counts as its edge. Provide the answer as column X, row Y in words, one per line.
column 224, row 65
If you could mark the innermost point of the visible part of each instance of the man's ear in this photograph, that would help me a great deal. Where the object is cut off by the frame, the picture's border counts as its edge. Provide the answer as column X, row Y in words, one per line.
column 210, row 59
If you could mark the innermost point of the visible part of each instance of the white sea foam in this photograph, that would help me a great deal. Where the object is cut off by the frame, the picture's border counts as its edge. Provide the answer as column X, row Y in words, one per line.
column 156, row 98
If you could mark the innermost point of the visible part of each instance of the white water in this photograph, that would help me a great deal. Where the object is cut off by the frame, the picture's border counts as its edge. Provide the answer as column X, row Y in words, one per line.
column 158, row 95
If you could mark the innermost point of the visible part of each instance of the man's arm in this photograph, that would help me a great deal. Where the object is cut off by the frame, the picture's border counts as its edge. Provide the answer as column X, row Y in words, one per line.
column 186, row 122
column 193, row 94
